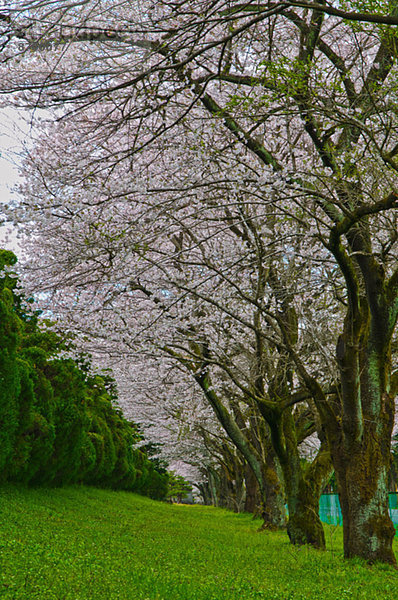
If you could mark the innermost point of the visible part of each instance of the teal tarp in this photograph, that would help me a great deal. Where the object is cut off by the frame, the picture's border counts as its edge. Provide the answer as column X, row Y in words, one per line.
column 330, row 512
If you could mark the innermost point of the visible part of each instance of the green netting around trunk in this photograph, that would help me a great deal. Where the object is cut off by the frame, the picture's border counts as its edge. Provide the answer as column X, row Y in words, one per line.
column 330, row 511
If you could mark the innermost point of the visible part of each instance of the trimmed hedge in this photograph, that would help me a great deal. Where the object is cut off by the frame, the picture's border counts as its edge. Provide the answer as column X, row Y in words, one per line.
column 59, row 424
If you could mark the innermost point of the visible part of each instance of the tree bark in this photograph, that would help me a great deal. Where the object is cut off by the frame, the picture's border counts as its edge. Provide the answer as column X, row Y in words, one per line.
column 303, row 484
column 252, row 499
column 303, row 489
column 360, row 438
column 304, row 525
column 363, row 492
column 272, row 497
column 362, row 470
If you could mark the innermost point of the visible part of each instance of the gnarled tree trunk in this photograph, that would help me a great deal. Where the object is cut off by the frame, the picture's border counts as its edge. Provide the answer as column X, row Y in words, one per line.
column 272, row 495
column 252, row 498
column 362, row 454
column 361, row 439
column 362, row 477
column 303, row 485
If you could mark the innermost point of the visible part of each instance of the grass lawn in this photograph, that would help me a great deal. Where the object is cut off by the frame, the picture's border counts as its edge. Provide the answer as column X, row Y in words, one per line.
column 84, row 543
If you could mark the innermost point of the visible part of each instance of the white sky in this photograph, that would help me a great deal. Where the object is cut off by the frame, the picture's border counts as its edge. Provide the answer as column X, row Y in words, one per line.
column 13, row 132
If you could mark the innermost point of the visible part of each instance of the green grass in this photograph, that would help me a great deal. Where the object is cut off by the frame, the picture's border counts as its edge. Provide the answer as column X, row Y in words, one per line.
column 84, row 543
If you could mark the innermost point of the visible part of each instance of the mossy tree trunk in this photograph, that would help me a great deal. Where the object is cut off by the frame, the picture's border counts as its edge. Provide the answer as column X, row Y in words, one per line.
column 304, row 525
column 213, row 486
column 273, row 496
column 252, row 498
column 362, row 476
column 360, row 439
column 358, row 426
column 362, row 454
column 231, row 474
column 303, row 483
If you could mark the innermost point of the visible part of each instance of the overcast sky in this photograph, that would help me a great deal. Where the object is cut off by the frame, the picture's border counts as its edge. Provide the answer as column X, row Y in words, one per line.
column 13, row 133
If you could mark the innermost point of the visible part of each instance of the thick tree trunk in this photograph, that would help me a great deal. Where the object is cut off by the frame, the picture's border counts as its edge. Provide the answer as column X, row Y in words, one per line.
column 304, row 525
column 303, row 486
column 225, row 491
column 239, row 490
column 213, row 487
column 360, row 436
column 252, row 499
column 273, row 497
column 362, row 449
column 205, row 493
column 362, row 476
column 230, row 483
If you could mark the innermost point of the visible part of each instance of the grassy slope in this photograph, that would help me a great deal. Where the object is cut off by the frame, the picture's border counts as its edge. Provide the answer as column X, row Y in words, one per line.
column 84, row 543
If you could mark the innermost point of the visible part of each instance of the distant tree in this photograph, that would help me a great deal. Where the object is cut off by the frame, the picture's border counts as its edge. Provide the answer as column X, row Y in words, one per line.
column 178, row 487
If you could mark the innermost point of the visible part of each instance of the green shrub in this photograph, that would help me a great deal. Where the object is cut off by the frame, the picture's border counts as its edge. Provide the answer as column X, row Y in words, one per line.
column 58, row 422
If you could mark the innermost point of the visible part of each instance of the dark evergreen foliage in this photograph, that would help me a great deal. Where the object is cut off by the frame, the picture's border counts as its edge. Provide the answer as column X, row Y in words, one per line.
column 59, row 423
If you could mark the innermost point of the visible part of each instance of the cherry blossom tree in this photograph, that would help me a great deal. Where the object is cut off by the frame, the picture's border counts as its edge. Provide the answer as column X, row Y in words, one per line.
column 166, row 400
column 289, row 106
column 175, row 297
column 174, row 415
